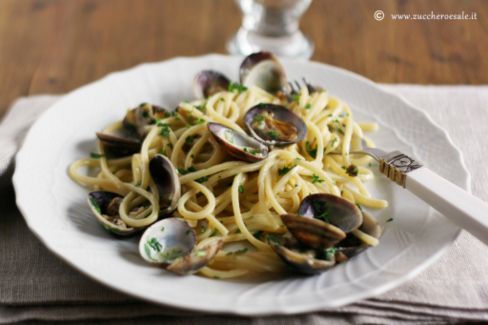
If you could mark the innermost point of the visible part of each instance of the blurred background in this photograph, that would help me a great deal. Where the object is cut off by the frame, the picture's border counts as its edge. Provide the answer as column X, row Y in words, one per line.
column 53, row 46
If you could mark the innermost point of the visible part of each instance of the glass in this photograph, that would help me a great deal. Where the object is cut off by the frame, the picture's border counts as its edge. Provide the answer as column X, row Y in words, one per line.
column 272, row 25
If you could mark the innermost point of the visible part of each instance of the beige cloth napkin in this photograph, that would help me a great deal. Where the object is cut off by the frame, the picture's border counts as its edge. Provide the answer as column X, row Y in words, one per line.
column 35, row 285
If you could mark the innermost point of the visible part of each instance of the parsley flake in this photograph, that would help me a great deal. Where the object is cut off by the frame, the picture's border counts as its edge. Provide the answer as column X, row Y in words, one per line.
column 311, row 150
column 95, row 155
column 316, row 179
column 154, row 244
column 236, row 87
column 285, row 170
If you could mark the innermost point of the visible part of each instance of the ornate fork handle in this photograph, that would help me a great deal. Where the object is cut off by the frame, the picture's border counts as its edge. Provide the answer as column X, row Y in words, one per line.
column 396, row 165
column 458, row 205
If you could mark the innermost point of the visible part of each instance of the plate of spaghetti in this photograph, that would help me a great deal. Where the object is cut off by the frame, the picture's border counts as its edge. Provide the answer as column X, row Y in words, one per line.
column 226, row 184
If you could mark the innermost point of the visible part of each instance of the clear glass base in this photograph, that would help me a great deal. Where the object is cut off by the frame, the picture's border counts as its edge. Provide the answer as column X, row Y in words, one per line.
column 296, row 45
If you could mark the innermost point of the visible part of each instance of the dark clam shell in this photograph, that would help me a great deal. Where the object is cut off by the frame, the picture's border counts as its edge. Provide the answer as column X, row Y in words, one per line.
column 313, row 233
column 209, row 82
column 275, row 125
column 238, row 145
column 136, row 119
column 332, row 209
column 104, row 206
column 119, row 143
column 299, row 259
column 262, row 69
column 166, row 178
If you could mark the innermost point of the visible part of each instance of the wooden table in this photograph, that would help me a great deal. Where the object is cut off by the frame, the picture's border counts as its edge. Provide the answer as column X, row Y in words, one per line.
column 54, row 46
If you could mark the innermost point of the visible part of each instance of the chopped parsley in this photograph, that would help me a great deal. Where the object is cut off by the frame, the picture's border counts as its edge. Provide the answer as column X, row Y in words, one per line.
column 184, row 171
column 359, row 207
column 241, row 189
column 196, row 121
column 201, row 108
column 190, row 139
column 236, row 87
column 272, row 134
column 95, row 155
column 202, row 179
column 316, row 179
column 308, row 106
column 172, row 253
column 258, row 118
column 352, row 170
column 251, row 150
column 389, row 220
column 311, row 150
column 321, row 211
column 200, row 253
column 165, row 130
column 329, row 253
column 285, row 170
column 154, row 244
column 295, row 97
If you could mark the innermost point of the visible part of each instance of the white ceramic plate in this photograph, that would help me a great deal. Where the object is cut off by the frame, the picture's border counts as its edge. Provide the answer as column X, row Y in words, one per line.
column 55, row 209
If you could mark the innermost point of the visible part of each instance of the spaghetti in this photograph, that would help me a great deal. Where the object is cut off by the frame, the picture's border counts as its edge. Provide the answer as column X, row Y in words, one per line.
column 236, row 200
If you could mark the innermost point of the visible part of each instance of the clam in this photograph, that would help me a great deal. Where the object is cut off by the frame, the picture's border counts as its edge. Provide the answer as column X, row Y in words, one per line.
column 165, row 176
column 352, row 245
column 313, row 233
column 166, row 240
column 300, row 258
column 319, row 236
column 209, row 82
column 119, row 142
column 275, row 125
column 141, row 116
column 105, row 207
column 237, row 144
column 171, row 244
column 263, row 69
column 333, row 210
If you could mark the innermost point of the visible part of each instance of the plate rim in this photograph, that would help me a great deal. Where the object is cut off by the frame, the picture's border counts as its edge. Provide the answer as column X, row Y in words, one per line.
column 272, row 310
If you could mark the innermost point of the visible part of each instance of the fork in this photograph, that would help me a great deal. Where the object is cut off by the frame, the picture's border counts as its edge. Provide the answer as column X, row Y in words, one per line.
column 461, row 207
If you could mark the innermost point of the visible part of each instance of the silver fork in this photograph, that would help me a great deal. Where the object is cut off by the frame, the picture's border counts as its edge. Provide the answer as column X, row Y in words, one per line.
column 458, row 205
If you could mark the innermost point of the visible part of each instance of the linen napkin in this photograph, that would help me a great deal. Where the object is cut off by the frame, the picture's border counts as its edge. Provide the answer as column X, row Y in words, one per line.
column 35, row 285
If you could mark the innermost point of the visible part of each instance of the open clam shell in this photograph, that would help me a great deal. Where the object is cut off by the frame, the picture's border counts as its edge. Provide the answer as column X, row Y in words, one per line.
column 313, row 233
column 262, row 69
column 141, row 116
column 166, row 178
column 209, row 82
column 300, row 259
column 105, row 207
column 166, row 240
column 275, row 125
column 171, row 243
column 333, row 210
column 237, row 144
column 119, row 143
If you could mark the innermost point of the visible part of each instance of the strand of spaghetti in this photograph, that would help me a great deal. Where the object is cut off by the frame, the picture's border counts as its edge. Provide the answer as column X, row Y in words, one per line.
column 219, row 274
column 369, row 202
column 210, row 171
column 238, row 180
column 205, row 211
column 364, row 237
